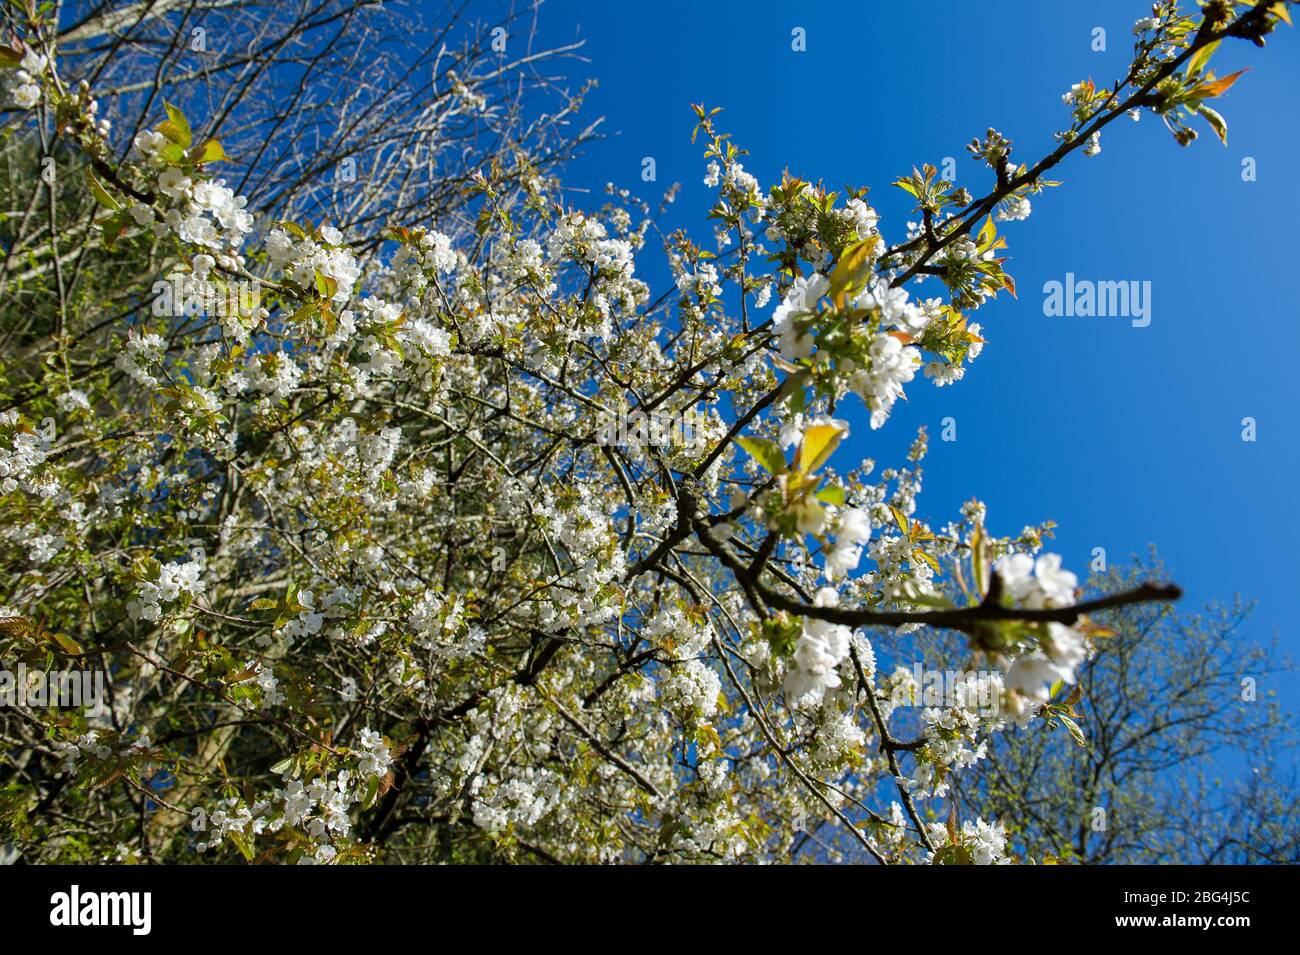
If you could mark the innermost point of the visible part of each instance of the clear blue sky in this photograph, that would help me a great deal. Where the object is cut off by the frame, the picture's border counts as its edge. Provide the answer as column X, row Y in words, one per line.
column 1125, row 436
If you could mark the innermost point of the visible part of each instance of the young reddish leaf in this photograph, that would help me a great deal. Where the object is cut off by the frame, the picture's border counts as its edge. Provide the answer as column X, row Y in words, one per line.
column 1216, row 87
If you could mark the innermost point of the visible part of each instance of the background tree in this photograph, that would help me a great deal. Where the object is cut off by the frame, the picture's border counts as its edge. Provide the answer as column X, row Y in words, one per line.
column 1187, row 752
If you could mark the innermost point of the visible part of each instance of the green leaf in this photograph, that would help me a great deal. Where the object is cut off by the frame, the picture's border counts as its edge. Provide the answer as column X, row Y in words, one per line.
column 282, row 766
column 393, row 345
column 831, row 494
column 819, row 443
column 176, row 127
column 1217, row 123
column 920, row 554
column 372, row 793
column 953, row 855
column 66, row 644
column 765, row 452
column 242, row 843
column 978, row 563
column 903, row 523
column 1197, row 63
column 113, row 227
column 853, row 269
column 208, row 151
column 173, row 154
column 305, row 312
column 102, row 195
column 1073, row 727
column 798, row 400
column 325, row 286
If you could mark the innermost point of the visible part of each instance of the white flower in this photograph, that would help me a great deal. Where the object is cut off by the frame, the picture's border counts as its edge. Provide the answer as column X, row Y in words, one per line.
column 149, row 143
column 693, row 688
column 841, row 559
column 1014, row 208
column 71, row 400
column 1049, row 585
column 987, row 843
column 174, row 183
column 196, row 229
column 218, row 199
column 279, row 246
column 1032, row 675
column 141, row 213
column 810, row 517
column 852, row 532
column 881, row 383
column 817, row 654
column 376, row 759
column 1066, row 648
column 34, row 63
column 174, row 579
column 432, row 340
column 1015, row 571
column 27, row 95
column 896, row 307
column 438, row 254
column 1057, row 585
column 202, row 264
column 855, row 526
column 802, row 297
column 863, row 217
column 944, row 373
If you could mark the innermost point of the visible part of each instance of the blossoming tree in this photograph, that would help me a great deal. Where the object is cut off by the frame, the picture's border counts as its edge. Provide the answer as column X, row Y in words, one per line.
column 346, row 511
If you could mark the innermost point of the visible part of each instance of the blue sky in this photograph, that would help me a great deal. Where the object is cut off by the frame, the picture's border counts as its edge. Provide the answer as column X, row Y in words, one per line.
column 1125, row 436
